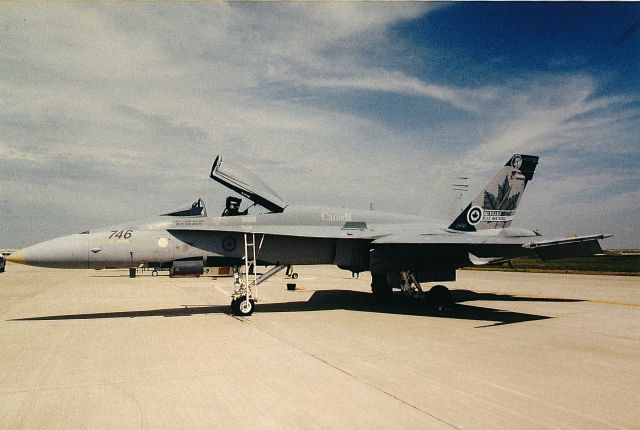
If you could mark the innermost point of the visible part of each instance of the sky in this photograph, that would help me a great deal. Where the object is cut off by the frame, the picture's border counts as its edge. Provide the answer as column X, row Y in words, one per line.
column 111, row 112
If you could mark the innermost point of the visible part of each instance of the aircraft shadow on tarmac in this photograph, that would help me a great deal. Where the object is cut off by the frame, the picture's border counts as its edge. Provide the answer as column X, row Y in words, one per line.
column 352, row 301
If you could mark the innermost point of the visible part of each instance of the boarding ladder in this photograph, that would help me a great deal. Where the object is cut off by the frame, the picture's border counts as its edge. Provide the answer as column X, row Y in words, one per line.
column 246, row 292
column 251, row 280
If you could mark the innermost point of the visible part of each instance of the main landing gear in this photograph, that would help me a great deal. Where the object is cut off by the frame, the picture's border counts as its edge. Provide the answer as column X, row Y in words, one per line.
column 438, row 297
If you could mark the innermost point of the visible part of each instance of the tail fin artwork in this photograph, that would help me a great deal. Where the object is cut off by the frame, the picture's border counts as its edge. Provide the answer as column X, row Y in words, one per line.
column 496, row 205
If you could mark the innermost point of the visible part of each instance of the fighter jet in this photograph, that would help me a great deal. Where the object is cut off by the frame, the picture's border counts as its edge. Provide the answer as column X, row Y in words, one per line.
column 400, row 251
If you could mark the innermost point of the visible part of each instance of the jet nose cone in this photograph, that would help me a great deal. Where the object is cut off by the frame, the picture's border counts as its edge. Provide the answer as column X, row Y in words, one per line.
column 63, row 252
column 17, row 257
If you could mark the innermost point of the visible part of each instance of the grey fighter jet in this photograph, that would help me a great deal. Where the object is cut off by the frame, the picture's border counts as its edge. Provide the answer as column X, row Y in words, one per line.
column 400, row 251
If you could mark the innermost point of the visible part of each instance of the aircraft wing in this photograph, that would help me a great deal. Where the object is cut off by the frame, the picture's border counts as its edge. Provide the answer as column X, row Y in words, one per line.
column 547, row 249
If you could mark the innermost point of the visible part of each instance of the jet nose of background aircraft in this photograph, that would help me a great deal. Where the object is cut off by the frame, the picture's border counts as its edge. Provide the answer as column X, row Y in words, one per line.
column 64, row 252
column 17, row 257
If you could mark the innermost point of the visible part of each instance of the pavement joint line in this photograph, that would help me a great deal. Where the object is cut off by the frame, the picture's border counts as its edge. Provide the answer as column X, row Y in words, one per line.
column 339, row 369
column 223, row 291
column 65, row 387
column 545, row 402
column 20, row 302
column 140, row 381
column 535, row 296
column 189, row 292
column 141, row 416
column 607, row 302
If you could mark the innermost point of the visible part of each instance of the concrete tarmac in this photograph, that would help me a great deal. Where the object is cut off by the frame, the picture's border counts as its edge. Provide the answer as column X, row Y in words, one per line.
column 96, row 349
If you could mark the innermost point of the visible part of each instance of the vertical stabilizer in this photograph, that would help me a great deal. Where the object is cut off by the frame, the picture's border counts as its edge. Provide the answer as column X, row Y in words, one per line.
column 496, row 205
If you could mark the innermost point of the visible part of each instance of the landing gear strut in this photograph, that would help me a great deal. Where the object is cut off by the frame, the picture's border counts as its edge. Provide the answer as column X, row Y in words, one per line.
column 409, row 284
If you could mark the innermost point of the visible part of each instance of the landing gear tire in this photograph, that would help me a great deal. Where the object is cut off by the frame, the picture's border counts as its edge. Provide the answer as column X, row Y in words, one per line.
column 381, row 290
column 294, row 275
column 440, row 298
column 242, row 307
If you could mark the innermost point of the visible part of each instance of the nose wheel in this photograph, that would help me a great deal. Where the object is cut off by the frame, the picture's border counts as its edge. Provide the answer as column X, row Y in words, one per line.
column 242, row 306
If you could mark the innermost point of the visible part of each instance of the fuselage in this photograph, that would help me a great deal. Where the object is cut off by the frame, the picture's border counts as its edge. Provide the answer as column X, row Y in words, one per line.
column 299, row 235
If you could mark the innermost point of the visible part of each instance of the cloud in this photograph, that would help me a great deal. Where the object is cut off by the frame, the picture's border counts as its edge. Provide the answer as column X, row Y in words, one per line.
column 396, row 82
column 537, row 114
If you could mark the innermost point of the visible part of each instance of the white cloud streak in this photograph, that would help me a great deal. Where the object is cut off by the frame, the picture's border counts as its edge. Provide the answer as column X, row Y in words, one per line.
column 400, row 83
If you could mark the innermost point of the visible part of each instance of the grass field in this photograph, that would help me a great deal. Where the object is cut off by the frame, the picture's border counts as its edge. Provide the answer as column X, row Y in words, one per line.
column 612, row 263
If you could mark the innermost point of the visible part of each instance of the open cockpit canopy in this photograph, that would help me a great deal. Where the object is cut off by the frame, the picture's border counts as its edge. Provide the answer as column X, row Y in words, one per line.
column 197, row 208
column 247, row 184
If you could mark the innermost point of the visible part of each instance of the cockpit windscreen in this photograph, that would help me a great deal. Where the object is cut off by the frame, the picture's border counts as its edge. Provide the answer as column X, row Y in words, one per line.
column 197, row 208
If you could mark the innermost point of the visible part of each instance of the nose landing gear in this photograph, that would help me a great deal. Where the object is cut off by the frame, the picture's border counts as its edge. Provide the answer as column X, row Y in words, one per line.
column 243, row 300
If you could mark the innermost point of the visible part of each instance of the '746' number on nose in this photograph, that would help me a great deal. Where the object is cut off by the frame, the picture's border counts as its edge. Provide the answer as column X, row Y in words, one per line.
column 120, row 234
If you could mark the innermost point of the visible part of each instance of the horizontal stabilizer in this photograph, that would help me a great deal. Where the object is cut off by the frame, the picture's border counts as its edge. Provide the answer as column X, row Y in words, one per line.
column 567, row 248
